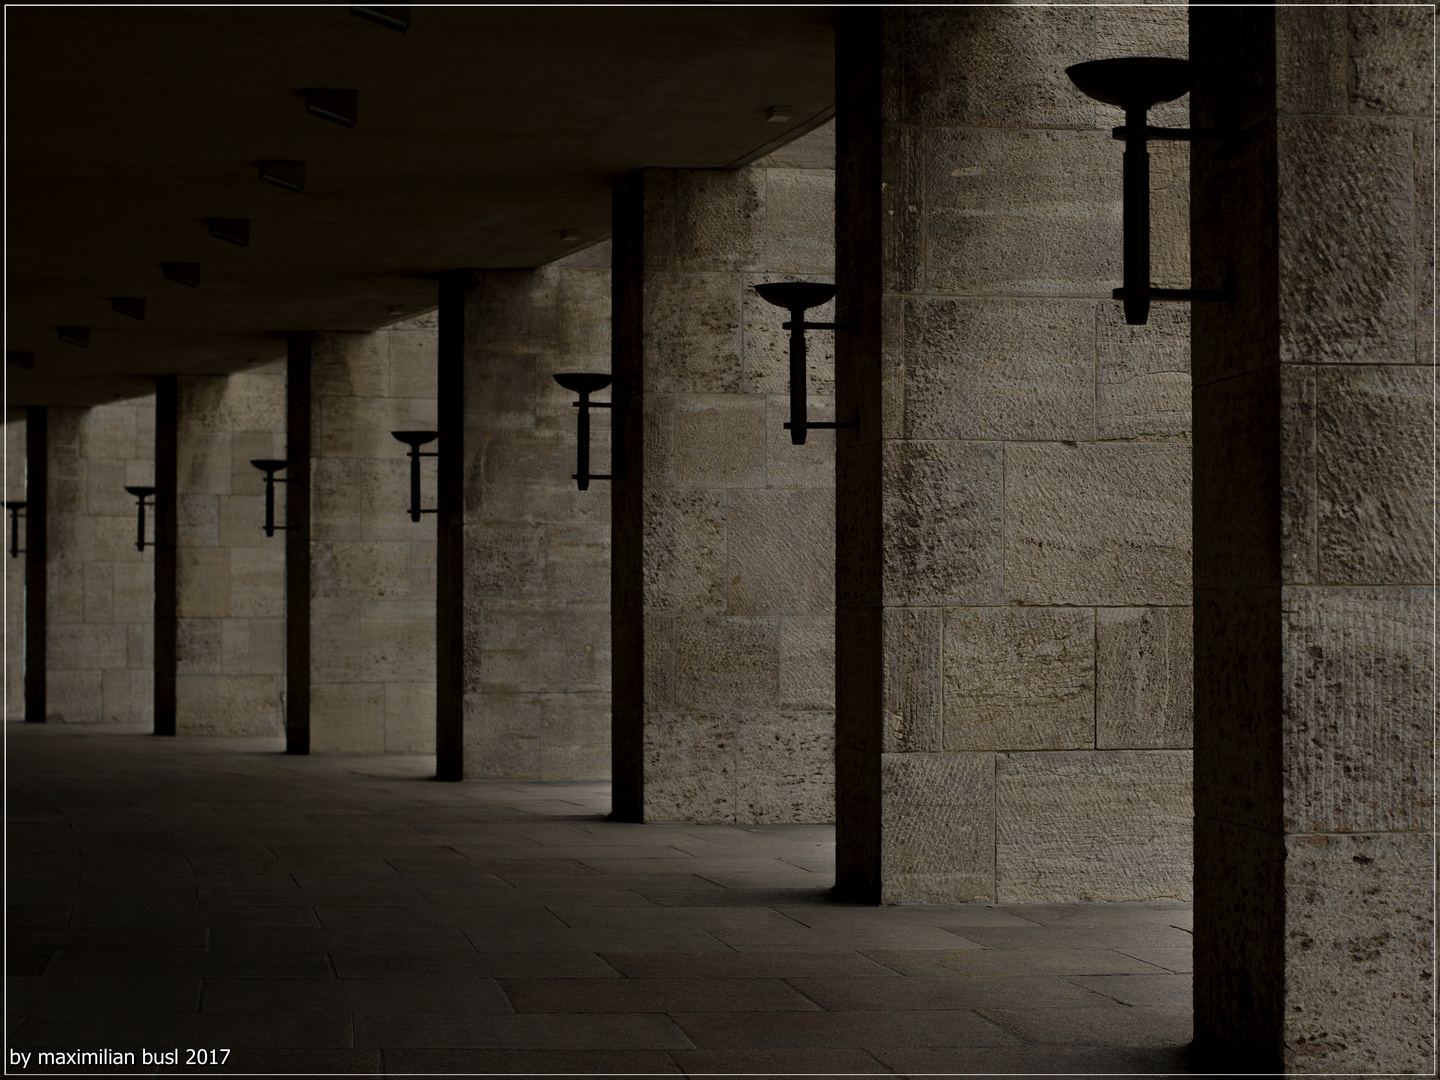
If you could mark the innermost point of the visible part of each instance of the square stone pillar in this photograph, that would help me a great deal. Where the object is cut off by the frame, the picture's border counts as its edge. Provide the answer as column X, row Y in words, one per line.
column 14, row 569
column 723, row 538
column 1314, row 519
column 535, row 590
column 229, row 576
column 1013, row 548
column 97, row 594
column 37, row 487
column 372, row 569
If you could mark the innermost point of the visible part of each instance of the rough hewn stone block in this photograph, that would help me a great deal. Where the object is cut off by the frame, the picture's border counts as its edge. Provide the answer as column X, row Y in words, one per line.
column 1106, row 524
column 799, row 220
column 719, row 441
column 1019, row 679
column 1103, row 826
column 1347, row 232
column 1358, row 710
column 1360, row 979
column 912, row 674
column 203, row 583
column 719, row 219
column 780, row 546
column 999, row 369
column 785, row 767
column 692, row 332
column 1144, row 678
column 937, row 828
column 807, row 662
column 690, row 766
column 1392, row 54
column 1052, row 227
column 1374, row 466
column 941, row 509
column 1142, row 381
column 684, row 538
column 347, row 718
column 228, row 705
column 727, row 662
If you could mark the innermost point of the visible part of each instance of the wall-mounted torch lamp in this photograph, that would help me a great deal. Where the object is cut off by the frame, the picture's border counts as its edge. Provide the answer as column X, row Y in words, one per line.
column 141, row 494
column 585, row 383
column 15, row 508
column 270, row 466
column 797, row 297
column 415, row 440
column 1135, row 84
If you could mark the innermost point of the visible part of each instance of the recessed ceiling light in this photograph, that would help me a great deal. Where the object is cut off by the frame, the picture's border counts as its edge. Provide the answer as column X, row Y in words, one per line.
column 20, row 359
column 338, row 106
column 233, row 230
column 133, row 306
column 289, row 175
column 184, row 273
column 778, row 114
column 75, row 335
column 396, row 18
column 569, row 234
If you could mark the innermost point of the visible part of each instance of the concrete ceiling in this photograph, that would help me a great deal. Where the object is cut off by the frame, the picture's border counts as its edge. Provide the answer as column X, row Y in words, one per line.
column 482, row 134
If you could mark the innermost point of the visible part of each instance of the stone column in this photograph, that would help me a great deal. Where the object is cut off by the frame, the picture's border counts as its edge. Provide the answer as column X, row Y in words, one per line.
column 723, row 538
column 372, row 570
column 296, row 519
column 98, row 585
column 1314, row 515
column 536, row 587
column 14, row 569
column 1013, row 550
column 229, row 577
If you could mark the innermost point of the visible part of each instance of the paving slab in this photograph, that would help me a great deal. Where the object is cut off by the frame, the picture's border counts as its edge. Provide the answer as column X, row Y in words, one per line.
column 655, row 995
column 750, row 965
column 460, row 996
column 921, row 963
column 743, row 1031
column 589, row 1031
column 961, row 992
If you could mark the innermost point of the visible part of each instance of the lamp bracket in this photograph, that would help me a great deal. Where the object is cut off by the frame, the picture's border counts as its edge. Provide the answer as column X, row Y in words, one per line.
column 15, row 506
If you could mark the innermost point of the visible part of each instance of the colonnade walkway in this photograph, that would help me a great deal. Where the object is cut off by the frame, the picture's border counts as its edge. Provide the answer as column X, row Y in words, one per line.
column 346, row 914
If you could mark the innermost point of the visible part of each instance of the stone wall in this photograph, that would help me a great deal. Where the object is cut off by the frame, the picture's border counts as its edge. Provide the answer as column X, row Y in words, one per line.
column 537, row 549
column 1314, row 541
column 1014, row 546
column 230, row 577
column 724, row 590
column 14, row 569
column 100, row 589
column 372, row 573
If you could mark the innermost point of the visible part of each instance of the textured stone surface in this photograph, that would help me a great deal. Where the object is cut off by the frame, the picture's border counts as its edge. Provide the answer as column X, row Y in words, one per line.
column 1142, row 382
column 734, row 523
column 1051, row 226
column 1097, row 524
column 982, row 369
column 537, row 550
column 372, row 570
column 938, row 838
column 1374, row 463
column 1346, row 221
column 1102, row 826
column 942, row 513
column 1019, row 679
column 912, row 678
column 1360, row 984
column 1358, row 712
column 1144, row 678
column 100, row 590
column 230, row 577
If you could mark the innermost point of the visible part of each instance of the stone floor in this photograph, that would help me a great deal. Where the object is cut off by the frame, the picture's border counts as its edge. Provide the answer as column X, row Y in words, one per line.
column 339, row 914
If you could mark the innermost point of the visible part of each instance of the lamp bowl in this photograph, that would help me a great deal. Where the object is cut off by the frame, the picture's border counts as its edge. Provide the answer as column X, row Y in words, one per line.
column 796, row 295
column 584, row 382
column 269, row 465
column 1134, row 82
column 141, row 492
column 415, row 439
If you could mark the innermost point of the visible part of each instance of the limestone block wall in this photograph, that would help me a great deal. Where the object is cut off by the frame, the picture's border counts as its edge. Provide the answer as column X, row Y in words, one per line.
column 1014, row 550
column 1314, row 542
column 100, row 589
column 230, row 578
column 537, row 549
column 372, row 573
column 14, row 570
column 725, row 585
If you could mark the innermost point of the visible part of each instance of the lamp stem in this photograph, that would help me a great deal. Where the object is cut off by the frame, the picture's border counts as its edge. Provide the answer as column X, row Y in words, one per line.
column 799, row 414
column 1136, row 209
